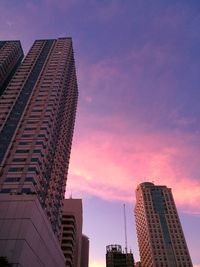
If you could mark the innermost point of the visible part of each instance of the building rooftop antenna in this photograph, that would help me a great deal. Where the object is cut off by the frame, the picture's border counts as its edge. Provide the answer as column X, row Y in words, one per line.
column 125, row 229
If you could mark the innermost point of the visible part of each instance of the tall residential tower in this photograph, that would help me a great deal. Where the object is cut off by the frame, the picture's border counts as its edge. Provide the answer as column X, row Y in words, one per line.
column 11, row 54
column 36, row 125
column 160, row 235
column 38, row 109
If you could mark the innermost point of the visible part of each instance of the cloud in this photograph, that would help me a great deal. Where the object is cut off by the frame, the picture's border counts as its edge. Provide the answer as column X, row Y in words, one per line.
column 136, row 127
column 145, row 86
column 109, row 163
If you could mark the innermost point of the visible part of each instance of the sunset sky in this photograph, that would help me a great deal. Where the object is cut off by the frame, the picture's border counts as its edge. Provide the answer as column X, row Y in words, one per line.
column 138, row 116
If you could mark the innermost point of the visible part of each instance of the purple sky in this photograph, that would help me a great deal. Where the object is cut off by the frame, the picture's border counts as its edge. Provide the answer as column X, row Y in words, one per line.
column 138, row 117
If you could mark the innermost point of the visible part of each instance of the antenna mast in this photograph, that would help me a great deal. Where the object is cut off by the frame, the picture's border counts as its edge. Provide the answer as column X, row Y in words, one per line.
column 125, row 229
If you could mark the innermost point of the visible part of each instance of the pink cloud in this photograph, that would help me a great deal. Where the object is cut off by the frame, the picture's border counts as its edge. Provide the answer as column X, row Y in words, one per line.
column 116, row 151
column 110, row 164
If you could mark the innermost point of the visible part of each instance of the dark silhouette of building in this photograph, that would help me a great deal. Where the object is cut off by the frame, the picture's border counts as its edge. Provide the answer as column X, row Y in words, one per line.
column 11, row 54
column 85, row 251
column 116, row 258
column 160, row 235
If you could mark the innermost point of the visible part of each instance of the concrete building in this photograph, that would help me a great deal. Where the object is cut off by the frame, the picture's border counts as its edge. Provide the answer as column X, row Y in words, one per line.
column 71, row 234
column 85, row 251
column 37, row 118
column 116, row 258
column 160, row 235
column 26, row 236
column 11, row 54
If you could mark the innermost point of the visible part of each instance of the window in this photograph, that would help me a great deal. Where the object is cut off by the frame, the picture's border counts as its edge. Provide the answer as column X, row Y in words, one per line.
column 34, row 160
column 24, row 143
column 32, row 169
column 5, row 190
column 16, row 169
column 26, row 190
column 22, row 150
column 12, row 179
column 36, row 151
column 19, row 159
column 30, row 179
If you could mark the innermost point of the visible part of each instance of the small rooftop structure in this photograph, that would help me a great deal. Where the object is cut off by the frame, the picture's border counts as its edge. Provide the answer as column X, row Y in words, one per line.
column 114, row 248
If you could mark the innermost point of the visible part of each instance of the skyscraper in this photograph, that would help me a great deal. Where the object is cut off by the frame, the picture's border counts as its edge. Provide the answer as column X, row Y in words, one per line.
column 115, row 257
column 36, row 126
column 160, row 235
column 71, row 232
column 11, row 54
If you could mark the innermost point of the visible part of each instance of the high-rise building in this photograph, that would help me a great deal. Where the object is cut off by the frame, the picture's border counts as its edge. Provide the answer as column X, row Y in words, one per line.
column 85, row 251
column 71, row 233
column 160, row 235
column 68, row 239
column 37, row 114
column 36, row 125
column 11, row 54
column 115, row 257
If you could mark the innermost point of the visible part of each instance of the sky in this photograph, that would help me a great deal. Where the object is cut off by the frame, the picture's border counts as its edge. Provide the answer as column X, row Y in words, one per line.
column 138, row 116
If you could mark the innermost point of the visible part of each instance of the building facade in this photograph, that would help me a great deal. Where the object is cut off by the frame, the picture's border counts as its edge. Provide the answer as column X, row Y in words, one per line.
column 85, row 251
column 37, row 118
column 11, row 54
column 116, row 258
column 26, row 236
column 71, row 232
column 160, row 235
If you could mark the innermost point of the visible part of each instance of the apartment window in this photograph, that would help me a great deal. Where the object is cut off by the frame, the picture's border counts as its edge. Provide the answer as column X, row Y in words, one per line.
column 30, row 179
column 24, row 143
column 15, row 169
column 39, row 143
column 32, row 169
column 12, row 179
column 26, row 135
column 41, row 135
column 5, row 190
column 34, row 160
column 26, row 190
column 22, row 151
column 36, row 151
column 19, row 159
